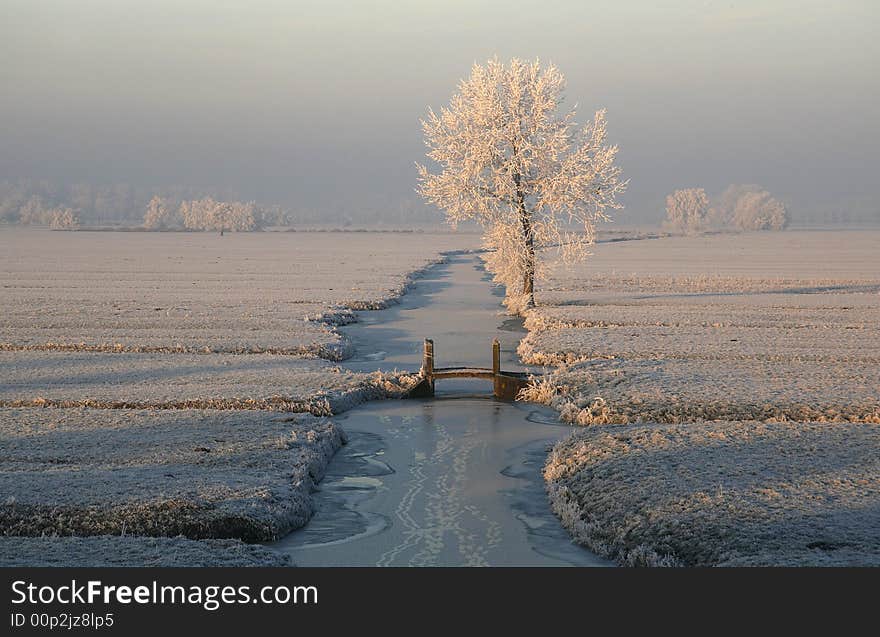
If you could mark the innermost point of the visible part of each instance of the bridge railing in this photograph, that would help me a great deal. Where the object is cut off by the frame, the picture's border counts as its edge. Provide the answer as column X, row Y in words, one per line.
column 506, row 385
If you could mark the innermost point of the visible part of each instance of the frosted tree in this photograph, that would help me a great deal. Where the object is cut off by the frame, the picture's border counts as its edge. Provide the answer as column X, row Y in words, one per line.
column 233, row 216
column 157, row 214
column 512, row 160
column 208, row 214
column 64, row 219
column 749, row 207
column 759, row 211
column 34, row 212
column 243, row 216
column 687, row 211
column 220, row 217
column 197, row 214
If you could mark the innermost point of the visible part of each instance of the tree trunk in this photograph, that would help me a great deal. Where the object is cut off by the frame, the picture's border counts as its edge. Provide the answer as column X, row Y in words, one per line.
column 525, row 220
column 528, row 289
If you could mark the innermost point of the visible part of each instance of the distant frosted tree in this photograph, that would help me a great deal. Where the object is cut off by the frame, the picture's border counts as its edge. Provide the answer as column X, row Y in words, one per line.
column 186, row 215
column 34, row 212
column 197, row 214
column 232, row 216
column 510, row 159
column 64, row 219
column 220, row 217
column 208, row 214
column 687, row 211
column 157, row 214
column 242, row 216
column 749, row 207
column 759, row 211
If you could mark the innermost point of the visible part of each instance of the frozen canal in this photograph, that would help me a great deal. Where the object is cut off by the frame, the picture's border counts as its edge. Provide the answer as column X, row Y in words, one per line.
column 454, row 481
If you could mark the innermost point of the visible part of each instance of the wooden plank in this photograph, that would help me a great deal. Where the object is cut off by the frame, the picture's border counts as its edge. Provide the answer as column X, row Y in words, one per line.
column 464, row 373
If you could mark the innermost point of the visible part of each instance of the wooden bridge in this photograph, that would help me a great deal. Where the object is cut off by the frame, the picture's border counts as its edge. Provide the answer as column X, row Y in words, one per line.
column 506, row 385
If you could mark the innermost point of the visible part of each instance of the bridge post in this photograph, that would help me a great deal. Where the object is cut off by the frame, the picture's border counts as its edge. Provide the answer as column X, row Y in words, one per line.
column 425, row 387
column 428, row 364
column 497, row 381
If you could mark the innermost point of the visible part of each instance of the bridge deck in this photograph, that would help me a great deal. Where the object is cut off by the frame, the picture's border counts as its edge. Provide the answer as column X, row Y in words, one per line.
column 464, row 372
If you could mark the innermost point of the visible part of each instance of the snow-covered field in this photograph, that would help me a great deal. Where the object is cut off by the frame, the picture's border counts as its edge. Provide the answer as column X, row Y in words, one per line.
column 143, row 378
column 147, row 380
column 181, row 381
column 198, row 473
column 687, row 336
column 722, row 493
column 274, row 292
column 175, row 320
column 755, row 326
column 115, row 550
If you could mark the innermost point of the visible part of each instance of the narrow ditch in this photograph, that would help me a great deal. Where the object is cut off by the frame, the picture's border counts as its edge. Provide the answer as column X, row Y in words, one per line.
column 453, row 481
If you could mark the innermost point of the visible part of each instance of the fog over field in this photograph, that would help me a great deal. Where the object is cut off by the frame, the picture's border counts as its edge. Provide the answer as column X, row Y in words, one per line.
column 316, row 106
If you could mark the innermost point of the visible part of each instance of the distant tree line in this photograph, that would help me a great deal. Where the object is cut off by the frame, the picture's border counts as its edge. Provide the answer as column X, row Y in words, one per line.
column 38, row 202
column 35, row 202
column 209, row 214
column 34, row 206
column 739, row 207
column 28, row 202
column 56, row 217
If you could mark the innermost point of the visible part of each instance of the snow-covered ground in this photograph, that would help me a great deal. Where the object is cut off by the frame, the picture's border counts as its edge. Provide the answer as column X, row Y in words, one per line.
column 143, row 376
column 194, row 292
column 180, row 381
column 159, row 320
column 755, row 326
column 198, row 473
column 722, row 493
column 672, row 333
column 114, row 550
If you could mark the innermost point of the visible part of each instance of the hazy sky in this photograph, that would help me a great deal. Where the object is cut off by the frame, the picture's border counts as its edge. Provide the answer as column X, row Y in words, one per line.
column 317, row 104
